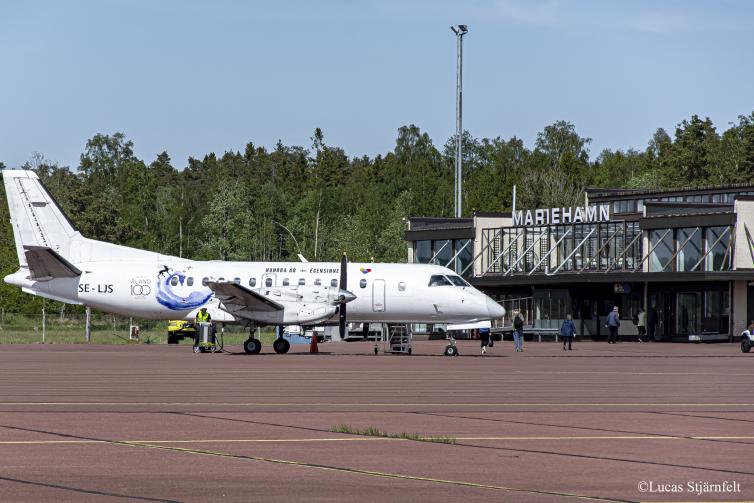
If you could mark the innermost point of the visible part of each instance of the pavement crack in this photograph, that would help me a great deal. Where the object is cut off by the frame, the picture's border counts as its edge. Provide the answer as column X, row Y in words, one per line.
column 85, row 491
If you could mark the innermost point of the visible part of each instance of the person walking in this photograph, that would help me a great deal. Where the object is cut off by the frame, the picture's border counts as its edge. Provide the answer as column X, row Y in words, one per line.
column 652, row 323
column 567, row 332
column 641, row 324
column 518, row 332
column 485, row 338
column 613, row 322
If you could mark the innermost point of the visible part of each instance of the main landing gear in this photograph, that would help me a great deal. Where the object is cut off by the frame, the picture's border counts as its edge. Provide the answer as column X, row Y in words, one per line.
column 253, row 345
column 281, row 346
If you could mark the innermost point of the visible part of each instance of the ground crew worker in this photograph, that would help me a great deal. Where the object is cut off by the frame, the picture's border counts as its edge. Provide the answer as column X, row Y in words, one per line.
column 203, row 316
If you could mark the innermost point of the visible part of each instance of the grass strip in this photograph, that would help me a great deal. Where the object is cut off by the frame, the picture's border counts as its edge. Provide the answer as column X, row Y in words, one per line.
column 372, row 431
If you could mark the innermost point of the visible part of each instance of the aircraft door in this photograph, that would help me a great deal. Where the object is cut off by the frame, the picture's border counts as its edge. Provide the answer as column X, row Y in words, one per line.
column 269, row 280
column 378, row 296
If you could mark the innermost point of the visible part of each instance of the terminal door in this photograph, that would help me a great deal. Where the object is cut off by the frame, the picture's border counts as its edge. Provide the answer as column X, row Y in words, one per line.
column 664, row 306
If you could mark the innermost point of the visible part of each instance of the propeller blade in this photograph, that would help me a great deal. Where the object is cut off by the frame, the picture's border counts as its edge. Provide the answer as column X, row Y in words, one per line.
column 343, row 285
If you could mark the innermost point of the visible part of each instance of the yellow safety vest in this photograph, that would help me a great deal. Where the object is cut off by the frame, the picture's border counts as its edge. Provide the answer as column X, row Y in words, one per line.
column 202, row 316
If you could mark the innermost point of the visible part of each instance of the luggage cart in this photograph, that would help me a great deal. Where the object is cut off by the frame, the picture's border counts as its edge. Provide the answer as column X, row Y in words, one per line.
column 396, row 339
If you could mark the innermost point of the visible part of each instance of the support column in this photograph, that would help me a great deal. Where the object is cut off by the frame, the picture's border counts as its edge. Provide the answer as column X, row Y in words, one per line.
column 88, row 330
column 44, row 320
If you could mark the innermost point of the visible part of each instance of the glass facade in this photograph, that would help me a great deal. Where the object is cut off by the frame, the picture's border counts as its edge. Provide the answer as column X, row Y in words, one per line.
column 661, row 244
column 422, row 251
column 717, row 243
column 455, row 254
column 562, row 248
column 689, row 243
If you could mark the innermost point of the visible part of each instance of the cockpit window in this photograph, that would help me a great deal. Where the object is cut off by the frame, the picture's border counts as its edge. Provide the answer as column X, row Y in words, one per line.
column 458, row 281
column 439, row 280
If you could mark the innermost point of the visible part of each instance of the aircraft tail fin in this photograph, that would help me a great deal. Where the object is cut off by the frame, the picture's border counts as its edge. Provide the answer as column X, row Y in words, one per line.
column 36, row 219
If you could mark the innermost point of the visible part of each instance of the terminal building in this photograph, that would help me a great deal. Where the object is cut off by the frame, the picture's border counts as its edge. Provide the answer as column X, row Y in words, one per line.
column 686, row 254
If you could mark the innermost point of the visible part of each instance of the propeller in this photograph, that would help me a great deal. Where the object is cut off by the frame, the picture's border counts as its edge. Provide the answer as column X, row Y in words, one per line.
column 343, row 285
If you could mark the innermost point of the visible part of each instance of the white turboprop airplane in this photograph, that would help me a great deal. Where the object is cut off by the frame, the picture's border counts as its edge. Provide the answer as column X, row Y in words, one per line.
column 57, row 262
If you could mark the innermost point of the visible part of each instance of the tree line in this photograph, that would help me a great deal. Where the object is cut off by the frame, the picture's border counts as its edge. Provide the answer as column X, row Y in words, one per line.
column 260, row 204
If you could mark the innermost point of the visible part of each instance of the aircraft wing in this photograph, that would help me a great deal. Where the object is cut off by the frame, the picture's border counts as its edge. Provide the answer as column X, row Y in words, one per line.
column 245, row 303
column 45, row 263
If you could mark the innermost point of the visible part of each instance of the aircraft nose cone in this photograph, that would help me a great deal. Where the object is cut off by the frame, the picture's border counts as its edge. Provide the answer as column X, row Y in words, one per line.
column 495, row 310
column 345, row 296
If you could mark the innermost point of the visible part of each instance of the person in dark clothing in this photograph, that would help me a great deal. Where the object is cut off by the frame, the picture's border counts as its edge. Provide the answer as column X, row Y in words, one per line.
column 613, row 322
column 567, row 332
column 651, row 323
column 518, row 332
column 485, row 338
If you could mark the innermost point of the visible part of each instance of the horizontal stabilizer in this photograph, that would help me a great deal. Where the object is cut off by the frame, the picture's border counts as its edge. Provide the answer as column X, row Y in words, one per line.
column 244, row 303
column 45, row 263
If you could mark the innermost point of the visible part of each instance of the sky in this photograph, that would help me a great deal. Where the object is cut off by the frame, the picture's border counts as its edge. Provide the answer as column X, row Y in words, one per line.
column 194, row 77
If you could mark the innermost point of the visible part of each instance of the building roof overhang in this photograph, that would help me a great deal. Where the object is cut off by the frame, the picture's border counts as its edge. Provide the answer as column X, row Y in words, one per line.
column 499, row 280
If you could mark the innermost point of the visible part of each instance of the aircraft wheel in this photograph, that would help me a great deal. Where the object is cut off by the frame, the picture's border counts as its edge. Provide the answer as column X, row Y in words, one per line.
column 252, row 346
column 745, row 345
column 451, row 350
column 281, row 346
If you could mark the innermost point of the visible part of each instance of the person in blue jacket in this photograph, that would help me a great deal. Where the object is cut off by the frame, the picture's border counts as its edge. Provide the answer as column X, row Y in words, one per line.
column 613, row 322
column 567, row 332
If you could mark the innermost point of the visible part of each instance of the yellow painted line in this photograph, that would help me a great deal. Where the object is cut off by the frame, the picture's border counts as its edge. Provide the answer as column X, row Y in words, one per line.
column 202, row 441
column 375, row 404
column 608, row 437
column 372, row 473
column 711, row 374
column 48, row 442
column 363, row 439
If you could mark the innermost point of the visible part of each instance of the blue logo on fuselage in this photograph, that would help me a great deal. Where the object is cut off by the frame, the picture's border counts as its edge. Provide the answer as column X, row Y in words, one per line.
column 172, row 297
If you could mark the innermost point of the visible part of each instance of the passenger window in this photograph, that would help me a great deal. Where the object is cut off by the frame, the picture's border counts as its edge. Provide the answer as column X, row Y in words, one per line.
column 363, row 283
column 174, row 281
column 190, row 281
column 301, row 281
column 237, row 281
column 334, row 282
column 252, row 282
column 205, row 281
column 439, row 280
column 317, row 282
column 286, row 282
column 401, row 286
column 268, row 282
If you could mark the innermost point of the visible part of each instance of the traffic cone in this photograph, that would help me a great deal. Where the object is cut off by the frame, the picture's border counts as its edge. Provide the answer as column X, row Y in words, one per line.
column 313, row 346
